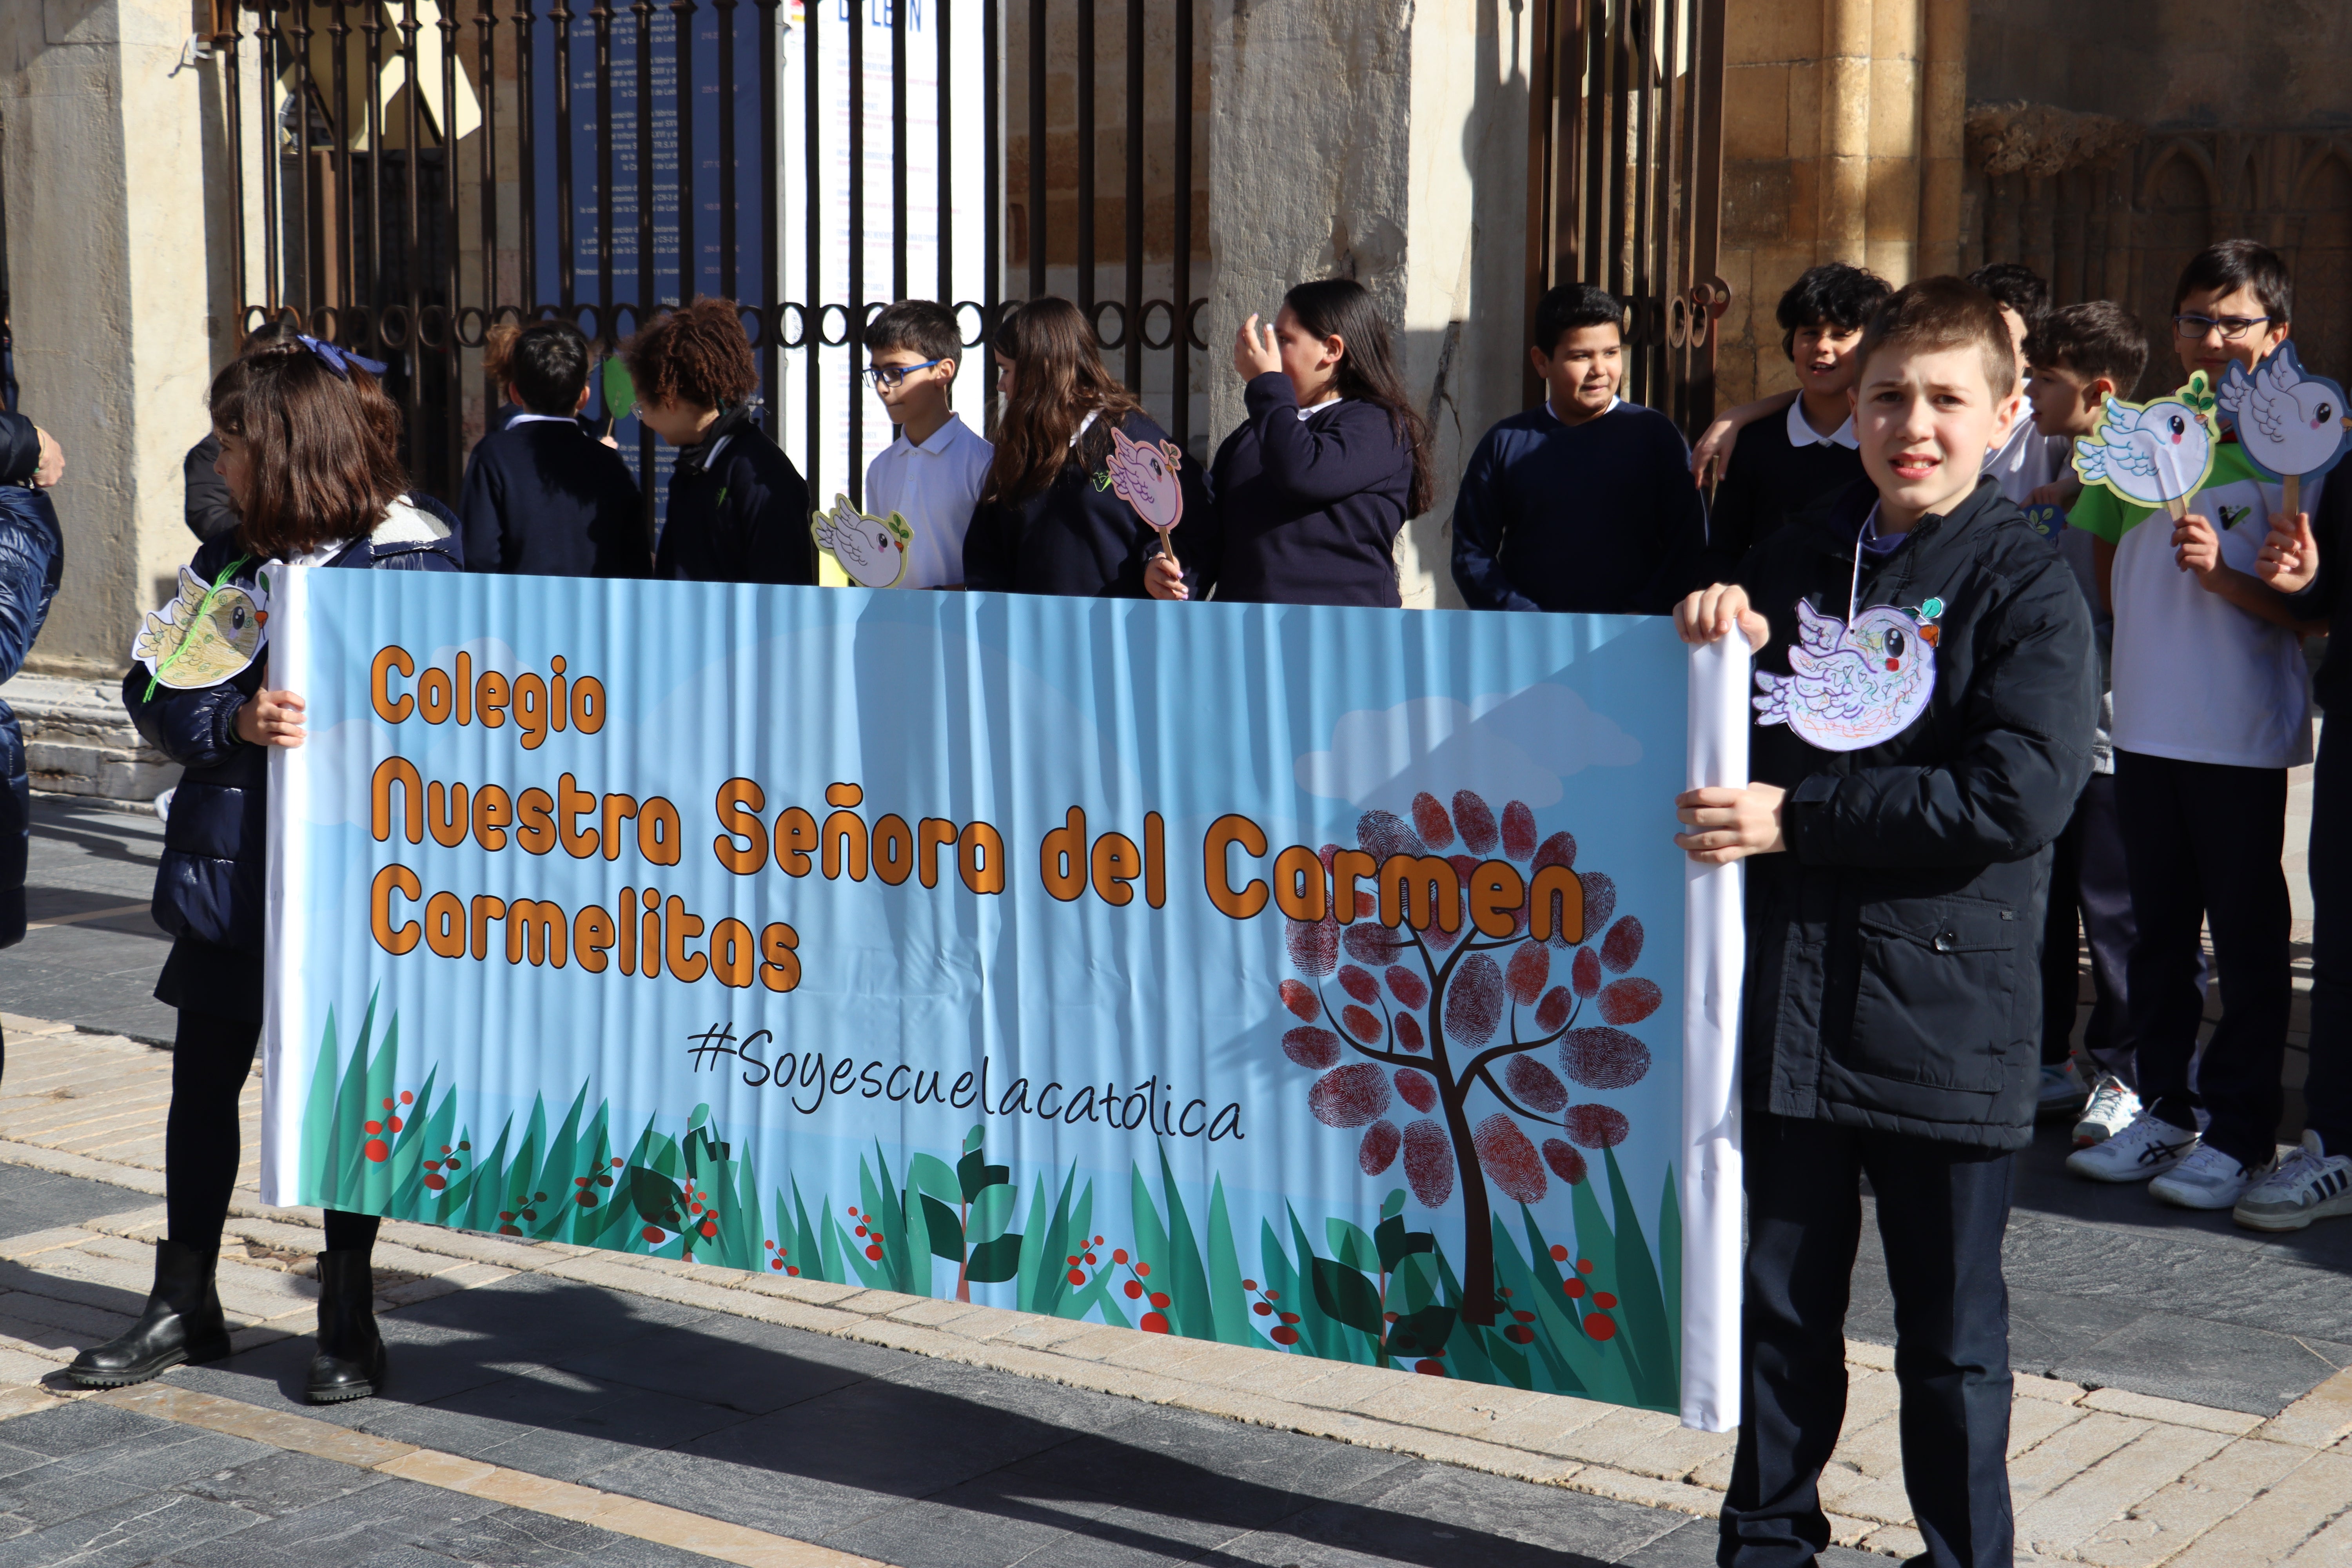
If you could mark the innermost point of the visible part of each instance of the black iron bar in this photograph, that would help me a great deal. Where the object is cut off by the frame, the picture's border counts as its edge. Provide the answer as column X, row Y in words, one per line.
column 346, row 220
column 266, row 41
column 1131, row 326
column 770, row 257
column 453, row 358
column 811, row 308
column 942, row 31
column 307, row 289
column 1180, row 331
column 526, row 160
column 1083, row 68
column 854, row 475
column 486, row 22
column 689, row 252
column 373, row 27
column 600, row 14
column 225, row 47
column 898, row 9
column 726, row 257
column 1641, row 171
column 1036, row 149
column 413, row 282
column 641, row 12
column 991, row 280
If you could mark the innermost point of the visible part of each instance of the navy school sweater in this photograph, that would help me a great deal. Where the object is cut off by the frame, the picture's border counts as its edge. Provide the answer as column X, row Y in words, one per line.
column 1600, row 518
column 546, row 499
column 1307, row 511
column 1080, row 536
column 739, row 516
column 1771, row 480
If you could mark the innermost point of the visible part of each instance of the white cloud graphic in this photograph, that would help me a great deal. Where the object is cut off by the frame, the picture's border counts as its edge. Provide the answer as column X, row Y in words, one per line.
column 1513, row 746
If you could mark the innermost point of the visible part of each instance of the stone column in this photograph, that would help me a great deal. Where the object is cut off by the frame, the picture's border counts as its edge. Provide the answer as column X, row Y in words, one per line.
column 105, row 187
column 1385, row 140
column 1842, row 131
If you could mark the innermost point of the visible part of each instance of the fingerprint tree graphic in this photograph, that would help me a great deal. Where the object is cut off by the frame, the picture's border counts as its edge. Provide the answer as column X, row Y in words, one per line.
column 1456, row 1032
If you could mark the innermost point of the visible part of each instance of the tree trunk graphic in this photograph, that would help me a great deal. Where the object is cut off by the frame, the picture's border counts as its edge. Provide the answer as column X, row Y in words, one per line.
column 1428, row 1016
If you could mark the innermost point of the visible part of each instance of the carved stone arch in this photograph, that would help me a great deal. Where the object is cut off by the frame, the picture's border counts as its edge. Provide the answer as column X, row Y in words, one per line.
column 2188, row 151
column 2322, row 150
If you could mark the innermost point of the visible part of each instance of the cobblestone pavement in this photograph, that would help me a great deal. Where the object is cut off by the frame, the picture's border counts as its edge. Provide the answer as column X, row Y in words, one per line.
column 558, row 1405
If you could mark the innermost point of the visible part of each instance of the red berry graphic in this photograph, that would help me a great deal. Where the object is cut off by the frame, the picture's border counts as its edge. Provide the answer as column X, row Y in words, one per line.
column 1159, row 1299
column 873, row 1254
column 406, row 1098
column 377, row 1149
column 1153, row 1323
column 1134, row 1289
column 1599, row 1327
column 387, row 1105
column 434, row 1184
column 1283, row 1336
column 373, row 1128
column 1261, row 1309
column 1603, row 1299
column 709, row 1228
column 776, row 1263
column 1574, row 1288
column 1144, row 1269
column 1584, row 1266
column 1559, row 1253
column 651, row 1233
column 1078, row 1277
column 1119, row 1255
column 1430, row 1368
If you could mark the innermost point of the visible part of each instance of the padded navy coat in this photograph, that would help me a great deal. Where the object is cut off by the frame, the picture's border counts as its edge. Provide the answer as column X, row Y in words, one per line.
column 32, row 556
column 210, row 885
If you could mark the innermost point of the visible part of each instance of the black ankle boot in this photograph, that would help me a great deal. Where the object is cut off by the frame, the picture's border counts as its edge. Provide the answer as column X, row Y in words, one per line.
column 350, row 1363
column 182, row 1323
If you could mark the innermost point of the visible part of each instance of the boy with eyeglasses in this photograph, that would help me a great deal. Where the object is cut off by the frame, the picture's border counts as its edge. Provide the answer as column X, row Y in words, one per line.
column 2209, row 714
column 931, row 475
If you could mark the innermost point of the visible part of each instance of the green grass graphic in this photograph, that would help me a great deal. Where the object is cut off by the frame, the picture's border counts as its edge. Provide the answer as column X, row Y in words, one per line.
column 1595, row 1314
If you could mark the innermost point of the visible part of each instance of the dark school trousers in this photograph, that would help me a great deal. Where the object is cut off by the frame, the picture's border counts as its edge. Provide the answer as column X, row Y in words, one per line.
column 1941, row 1210
column 2203, row 842
column 2328, row 1092
column 211, row 1056
column 2090, row 904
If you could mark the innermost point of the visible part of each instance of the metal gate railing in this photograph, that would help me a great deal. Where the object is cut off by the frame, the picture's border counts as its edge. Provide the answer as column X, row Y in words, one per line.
column 409, row 174
column 1624, row 180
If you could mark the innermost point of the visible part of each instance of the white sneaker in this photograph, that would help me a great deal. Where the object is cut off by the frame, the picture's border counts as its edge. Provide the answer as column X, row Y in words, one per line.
column 2148, row 1147
column 2062, row 1091
column 2205, row 1179
column 2309, row 1183
column 2113, row 1108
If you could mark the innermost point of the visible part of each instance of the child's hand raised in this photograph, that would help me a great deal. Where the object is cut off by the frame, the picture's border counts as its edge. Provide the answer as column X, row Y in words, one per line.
column 1255, row 355
column 2290, row 556
column 271, row 719
column 1709, row 614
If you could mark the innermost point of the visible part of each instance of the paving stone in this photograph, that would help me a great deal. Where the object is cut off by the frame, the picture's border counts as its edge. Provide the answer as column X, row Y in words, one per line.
column 280, row 1483
column 2220, row 1364
column 2318, row 1419
column 2176, row 1412
column 2159, row 1527
column 2278, row 1522
column 137, row 1529
column 2067, row 1453
column 2078, row 1508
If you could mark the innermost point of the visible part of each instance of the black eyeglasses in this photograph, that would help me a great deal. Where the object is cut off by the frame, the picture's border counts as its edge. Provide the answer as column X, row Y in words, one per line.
column 2233, row 328
column 895, row 374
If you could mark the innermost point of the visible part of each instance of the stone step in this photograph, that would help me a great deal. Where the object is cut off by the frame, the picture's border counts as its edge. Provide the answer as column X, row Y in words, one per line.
column 79, row 740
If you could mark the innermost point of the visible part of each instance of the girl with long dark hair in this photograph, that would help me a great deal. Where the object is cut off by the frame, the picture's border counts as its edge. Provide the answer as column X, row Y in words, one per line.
column 1084, row 486
column 1315, row 485
column 310, row 451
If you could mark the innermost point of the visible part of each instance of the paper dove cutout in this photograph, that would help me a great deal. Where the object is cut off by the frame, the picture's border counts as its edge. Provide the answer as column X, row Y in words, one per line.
column 1851, row 687
column 872, row 550
column 205, row 636
column 2152, row 454
column 2290, row 423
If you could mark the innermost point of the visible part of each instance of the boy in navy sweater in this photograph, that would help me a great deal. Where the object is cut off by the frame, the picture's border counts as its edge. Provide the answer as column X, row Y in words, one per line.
column 1796, row 463
column 1583, row 503
column 543, row 496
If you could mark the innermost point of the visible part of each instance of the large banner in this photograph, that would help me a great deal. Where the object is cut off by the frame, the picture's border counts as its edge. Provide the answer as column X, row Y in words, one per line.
column 1312, row 979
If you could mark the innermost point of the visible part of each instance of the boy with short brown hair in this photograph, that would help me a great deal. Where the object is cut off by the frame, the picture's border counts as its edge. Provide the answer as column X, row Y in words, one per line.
column 1927, row 693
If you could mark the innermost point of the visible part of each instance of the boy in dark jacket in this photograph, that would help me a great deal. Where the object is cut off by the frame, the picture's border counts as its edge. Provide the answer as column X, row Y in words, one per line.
column 739, row 511
column 543, row 496
column 1585, row 502
column 1927, row 692
column 32, row 558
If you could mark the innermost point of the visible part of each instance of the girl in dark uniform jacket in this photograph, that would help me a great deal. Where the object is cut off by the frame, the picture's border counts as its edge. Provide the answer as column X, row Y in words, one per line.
column 739, row 511
column 1084, row 486
column 331, row 495
column 1315, row 485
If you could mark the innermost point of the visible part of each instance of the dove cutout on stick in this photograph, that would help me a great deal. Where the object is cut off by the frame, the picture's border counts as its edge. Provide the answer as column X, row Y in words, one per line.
column 2154, row 454
column 1852, row 686
column 2291, row 424
column 871, row 551
column 205, row 636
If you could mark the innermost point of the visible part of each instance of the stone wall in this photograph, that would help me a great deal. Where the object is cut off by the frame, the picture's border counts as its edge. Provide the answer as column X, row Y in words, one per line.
column 2110, row 142
column 105, row 185
column 1842, row 142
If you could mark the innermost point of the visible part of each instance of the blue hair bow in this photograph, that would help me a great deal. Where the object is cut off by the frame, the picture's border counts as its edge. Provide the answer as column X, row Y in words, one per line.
column 340, row 360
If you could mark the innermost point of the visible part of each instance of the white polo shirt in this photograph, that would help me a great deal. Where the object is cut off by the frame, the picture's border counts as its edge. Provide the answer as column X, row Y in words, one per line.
column 934, row 486
column 1803, row 434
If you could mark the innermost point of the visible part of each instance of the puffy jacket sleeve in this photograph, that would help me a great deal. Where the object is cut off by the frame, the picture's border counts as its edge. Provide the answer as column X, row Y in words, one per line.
column 20, row 450
column 32, row 557
column 2009, row 789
